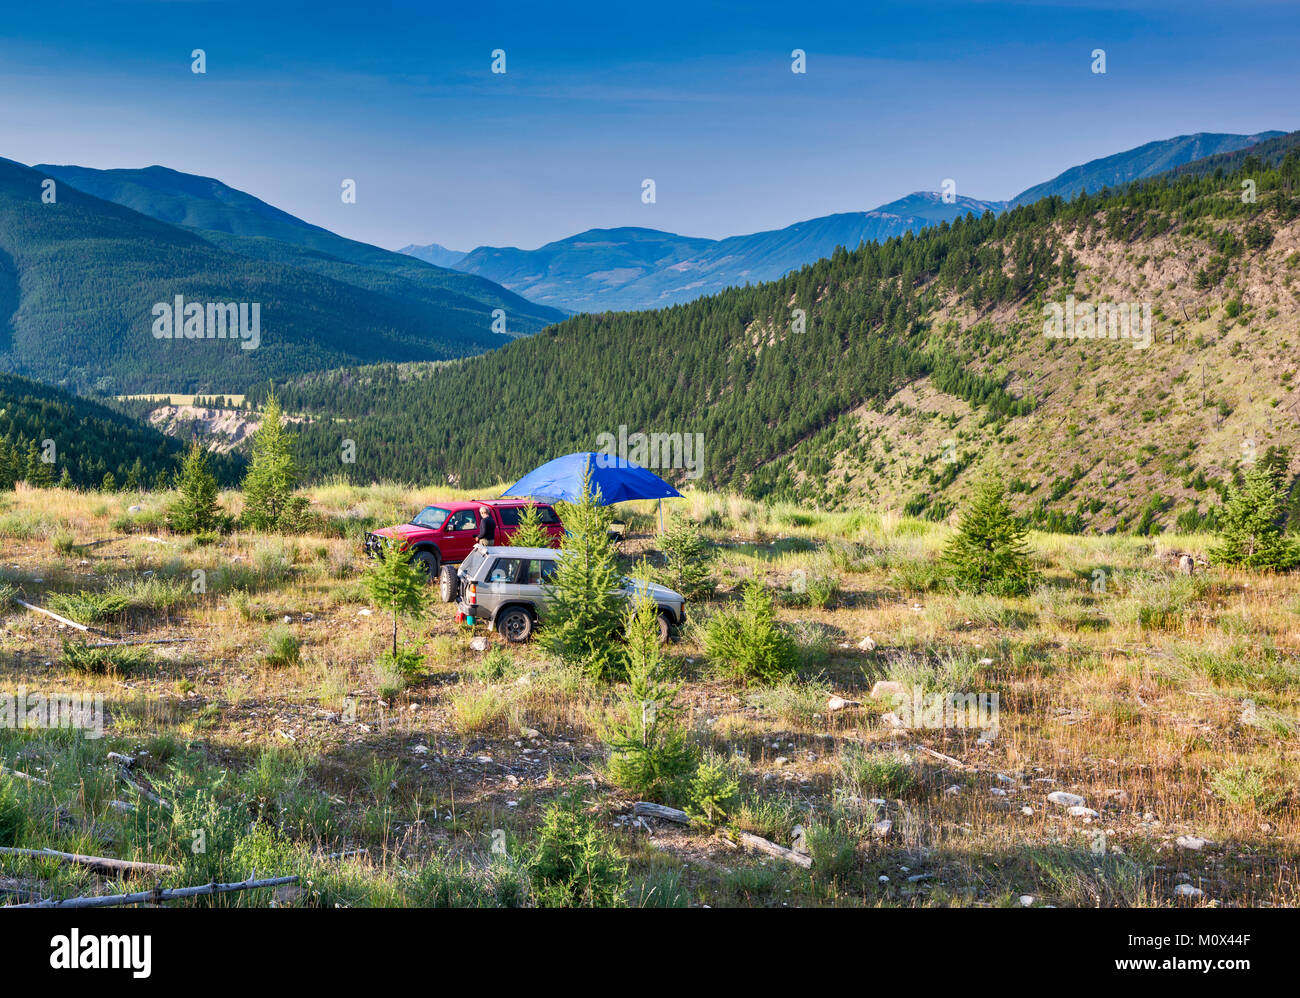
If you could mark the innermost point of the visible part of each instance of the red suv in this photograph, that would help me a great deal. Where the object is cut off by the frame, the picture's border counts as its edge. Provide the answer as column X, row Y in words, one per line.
column 441, row 535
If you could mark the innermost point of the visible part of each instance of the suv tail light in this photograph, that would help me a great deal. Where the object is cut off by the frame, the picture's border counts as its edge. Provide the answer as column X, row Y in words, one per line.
column 473, row 592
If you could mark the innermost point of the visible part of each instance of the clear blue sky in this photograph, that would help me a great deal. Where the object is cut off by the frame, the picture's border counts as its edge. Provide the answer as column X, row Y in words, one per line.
column 698, row 96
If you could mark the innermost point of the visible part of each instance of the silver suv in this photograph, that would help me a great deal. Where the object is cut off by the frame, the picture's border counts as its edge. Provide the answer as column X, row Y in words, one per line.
column 508, row 588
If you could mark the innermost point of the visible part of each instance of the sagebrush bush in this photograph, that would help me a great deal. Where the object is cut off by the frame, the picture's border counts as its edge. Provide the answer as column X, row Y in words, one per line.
column 283, row 647
column 122, row 660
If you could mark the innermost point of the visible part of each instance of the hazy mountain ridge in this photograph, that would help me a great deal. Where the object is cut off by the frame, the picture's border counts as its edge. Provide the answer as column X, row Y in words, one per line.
column 83, row 275
column 636, row 268
column 241, row 223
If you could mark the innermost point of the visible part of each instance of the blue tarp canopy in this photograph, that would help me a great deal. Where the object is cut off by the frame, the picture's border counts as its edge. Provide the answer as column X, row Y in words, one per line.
column 617, row 480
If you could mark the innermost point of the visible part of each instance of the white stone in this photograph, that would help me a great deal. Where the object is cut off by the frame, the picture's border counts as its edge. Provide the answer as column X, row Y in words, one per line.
column 1188, row 891
column 1193, row 842
column 1065, row 799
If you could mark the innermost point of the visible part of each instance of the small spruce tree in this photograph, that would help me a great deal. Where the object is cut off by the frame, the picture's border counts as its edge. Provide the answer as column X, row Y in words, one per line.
column 397, row 584
column 269, row 500
column 530, row 533
column 749, row 644
column 988, row 553
column 196, row 509
column 38, row 473
column 689, row 559
column 649, row 751
column 584, row 614
column 1251, row 526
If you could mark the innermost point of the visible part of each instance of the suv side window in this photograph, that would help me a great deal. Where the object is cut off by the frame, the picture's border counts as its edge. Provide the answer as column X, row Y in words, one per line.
column 510, row 515
column 463, row 519
column 540, row 571
column 505, row 570
column 548, row 516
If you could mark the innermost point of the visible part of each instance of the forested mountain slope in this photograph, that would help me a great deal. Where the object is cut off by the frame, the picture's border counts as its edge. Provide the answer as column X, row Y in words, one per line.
column 241, row 223
column 79, row 279
column 85, row 438
column 920, row 360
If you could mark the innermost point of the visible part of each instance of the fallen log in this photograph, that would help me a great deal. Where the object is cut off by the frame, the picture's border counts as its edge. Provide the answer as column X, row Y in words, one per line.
column 347, row 854
column 141, row 791
column 51, row 613
column 943, row 758
column 760, row 844
column 96, row 864
column 24, row 776
column 156, row 895
column 140, row 641
column 644, row 809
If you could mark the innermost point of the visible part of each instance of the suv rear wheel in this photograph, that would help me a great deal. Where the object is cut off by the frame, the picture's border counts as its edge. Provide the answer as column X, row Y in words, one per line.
column 429, row 561
column 448, row 584
column 515, row 624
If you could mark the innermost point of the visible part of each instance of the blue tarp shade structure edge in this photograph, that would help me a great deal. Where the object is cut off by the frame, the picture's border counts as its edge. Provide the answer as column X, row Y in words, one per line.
column 617, row 480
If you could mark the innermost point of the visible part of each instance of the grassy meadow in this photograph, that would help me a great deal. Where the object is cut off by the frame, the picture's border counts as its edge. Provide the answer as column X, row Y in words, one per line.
column 1169, row 702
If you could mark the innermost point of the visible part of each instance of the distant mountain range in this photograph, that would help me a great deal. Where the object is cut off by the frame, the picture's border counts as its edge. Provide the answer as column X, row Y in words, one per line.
column 81, row 274
column 246, row 225
column 437, row 255
column 636, row 268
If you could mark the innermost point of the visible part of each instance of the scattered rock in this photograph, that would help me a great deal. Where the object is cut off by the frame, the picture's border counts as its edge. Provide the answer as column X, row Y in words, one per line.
column 1026, row 900
column 887, row 688
column 479, row 644
column 839, row 703
column 1065, row 799
column 882, row 828
column 1188, row 891
column 867, row 644
column 1193, row 842
column 1079, row 811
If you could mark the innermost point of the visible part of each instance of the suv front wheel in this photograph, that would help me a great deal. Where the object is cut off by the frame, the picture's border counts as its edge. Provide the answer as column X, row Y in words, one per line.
column 515, row 624
column 448, row 584
column 429, row 561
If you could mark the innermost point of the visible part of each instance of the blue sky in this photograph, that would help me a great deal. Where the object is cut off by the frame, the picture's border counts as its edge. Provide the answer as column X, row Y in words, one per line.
column 597, row 97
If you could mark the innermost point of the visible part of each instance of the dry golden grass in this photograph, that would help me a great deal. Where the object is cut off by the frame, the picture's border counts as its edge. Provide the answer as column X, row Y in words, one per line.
column 1169, row 704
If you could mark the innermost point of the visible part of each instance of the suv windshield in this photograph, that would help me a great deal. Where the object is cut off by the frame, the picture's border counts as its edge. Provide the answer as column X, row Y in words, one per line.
column 430, row 516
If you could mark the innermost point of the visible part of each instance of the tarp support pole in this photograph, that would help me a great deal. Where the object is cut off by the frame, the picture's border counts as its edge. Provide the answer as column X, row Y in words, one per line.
column 661, row 516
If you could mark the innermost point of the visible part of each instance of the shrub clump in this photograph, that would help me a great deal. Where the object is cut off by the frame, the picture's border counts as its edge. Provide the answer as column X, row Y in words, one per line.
column 574, row 863
column 748, row 643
